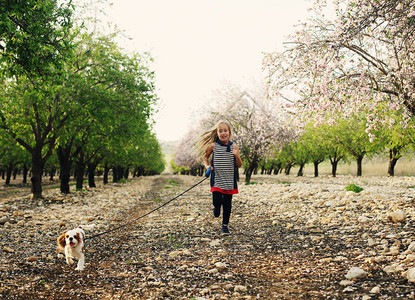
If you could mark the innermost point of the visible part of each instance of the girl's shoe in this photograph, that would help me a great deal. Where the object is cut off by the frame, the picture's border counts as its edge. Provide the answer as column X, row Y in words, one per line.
column 225, row 229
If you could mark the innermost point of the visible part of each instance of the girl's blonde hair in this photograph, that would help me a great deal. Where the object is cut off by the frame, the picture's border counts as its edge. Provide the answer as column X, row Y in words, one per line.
column 209, row 137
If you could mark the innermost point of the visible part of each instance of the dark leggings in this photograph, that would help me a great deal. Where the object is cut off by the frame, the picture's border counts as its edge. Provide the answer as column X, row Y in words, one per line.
column 224, row 200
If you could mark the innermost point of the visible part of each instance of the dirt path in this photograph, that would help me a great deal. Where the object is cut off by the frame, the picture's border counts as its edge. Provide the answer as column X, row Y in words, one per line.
column 178, row 253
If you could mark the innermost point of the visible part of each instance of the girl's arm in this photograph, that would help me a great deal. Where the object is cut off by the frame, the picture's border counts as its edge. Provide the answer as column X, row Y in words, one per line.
column 237, row 156
column 208, row 152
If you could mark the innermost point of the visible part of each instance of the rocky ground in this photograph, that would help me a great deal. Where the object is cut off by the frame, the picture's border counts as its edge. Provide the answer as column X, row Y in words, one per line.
column 291, row 238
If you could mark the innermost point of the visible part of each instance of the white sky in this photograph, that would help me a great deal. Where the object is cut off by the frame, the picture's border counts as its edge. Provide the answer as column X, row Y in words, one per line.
column 198, row 44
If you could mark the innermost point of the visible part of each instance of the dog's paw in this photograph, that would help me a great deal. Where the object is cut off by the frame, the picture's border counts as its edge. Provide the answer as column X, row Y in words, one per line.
column 69, row 261
column 79, row 268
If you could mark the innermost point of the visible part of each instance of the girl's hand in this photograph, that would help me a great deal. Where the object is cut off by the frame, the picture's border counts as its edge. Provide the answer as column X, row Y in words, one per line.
column 237, row 156
column 236, row 152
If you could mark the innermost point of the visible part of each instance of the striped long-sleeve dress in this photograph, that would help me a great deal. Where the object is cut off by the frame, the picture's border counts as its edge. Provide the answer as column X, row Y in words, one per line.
column 223, row 177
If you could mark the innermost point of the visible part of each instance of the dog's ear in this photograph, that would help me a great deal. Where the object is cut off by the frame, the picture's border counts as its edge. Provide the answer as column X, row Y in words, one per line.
column 62, row 241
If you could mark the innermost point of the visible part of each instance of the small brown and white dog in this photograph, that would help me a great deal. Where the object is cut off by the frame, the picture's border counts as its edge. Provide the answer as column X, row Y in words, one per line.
column 72, row 242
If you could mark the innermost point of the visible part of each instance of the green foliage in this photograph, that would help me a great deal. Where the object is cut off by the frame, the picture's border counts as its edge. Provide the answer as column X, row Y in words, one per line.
column 35, row 35
column 354, row 188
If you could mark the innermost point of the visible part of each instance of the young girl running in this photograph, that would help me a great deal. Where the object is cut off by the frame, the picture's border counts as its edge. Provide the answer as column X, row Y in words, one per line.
column 225, row 161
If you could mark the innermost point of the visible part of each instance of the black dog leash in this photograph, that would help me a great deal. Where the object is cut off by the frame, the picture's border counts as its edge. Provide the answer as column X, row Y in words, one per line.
column 157, row 208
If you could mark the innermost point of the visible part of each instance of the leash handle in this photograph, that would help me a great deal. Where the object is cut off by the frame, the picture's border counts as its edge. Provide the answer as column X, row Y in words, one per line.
column 207, row 174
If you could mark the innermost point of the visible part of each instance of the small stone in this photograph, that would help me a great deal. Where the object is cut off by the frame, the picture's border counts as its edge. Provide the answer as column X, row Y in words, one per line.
column 346, row 282
column 348, row 289
column 221, row 267
column 375, row 290
column 393, row 250
column 389, row 269
column 4, row 220
column 363, row 219
column 366, row 297
column 204, row 291
column 8, row 249
column 411, row 248
column 397, row 216
column 410, row 275
column 186, row 252
column 410, row 258
column 214, row 243
column 174, row 254
column 371, row 242
column 240, row 288
column 31, row 258
column 355, row 273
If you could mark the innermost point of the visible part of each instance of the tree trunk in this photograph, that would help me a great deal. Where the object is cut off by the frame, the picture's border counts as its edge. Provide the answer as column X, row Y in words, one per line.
column 300, row 171
column 127, row 172
column 65, row 172
column 334, row 168
column 52, row 173
column 359, row 160
column 316, row 163
column 9, row 171
column 251, row 168
column 25, row 171
column 393, row 159
column 277, row 169
column 106, row 171
column 36, row 178
column 287, row 169
column 80, row 171
column 91, row 174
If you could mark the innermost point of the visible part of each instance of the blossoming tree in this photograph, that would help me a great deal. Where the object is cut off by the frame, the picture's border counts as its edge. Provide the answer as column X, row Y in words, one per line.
column 363, row 59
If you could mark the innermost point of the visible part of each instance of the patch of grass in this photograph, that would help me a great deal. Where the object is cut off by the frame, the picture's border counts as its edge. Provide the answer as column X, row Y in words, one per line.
column 251, row 183
column 12, row 192
column 354, row 188
column 123, row 180
column 285, row 182
column 157, row 200
column 172, row 240
column 173, row 182
column 411, row 187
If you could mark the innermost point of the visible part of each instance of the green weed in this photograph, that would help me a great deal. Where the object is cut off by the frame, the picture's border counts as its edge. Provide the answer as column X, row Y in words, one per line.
column 354, row 188
column 251, row 183
column 173, row 182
